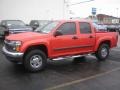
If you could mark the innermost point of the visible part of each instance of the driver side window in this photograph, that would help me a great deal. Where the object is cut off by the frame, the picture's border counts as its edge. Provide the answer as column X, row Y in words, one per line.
column 68, row 28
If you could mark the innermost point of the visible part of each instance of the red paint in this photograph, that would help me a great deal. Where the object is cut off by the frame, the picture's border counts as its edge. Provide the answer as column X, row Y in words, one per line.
column 87, row 45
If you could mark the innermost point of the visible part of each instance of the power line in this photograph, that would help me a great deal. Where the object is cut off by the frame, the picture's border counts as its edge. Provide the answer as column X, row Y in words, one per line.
column 81, row 2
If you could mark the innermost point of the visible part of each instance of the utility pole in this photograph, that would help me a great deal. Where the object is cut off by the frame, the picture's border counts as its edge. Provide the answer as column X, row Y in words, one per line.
column 117, row 9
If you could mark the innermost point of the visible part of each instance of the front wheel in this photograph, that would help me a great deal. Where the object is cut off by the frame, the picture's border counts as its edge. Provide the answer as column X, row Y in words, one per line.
column 102, row 52
column 35, row 60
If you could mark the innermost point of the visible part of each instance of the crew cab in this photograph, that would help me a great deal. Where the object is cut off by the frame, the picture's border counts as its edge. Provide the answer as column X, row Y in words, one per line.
column 64, row 38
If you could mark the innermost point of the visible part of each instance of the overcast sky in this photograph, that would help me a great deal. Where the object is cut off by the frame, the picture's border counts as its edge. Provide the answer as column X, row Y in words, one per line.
column 109, row 7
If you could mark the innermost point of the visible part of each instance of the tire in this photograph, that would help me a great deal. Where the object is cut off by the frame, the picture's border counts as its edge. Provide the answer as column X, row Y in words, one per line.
column 102, row 52
column 35, row 60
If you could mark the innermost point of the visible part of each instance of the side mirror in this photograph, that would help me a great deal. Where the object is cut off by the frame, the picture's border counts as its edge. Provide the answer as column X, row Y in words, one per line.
column 27, row 25
column 58, row 33
column 36, row 24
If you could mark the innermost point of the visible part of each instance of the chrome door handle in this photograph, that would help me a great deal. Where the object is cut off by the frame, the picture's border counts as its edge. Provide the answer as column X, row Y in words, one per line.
column 74, row 37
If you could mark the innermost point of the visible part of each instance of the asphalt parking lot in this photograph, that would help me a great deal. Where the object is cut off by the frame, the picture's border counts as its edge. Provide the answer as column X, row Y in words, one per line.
column 64, row 75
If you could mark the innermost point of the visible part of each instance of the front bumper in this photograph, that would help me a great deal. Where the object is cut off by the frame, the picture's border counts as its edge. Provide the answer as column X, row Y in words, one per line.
column 13, row 56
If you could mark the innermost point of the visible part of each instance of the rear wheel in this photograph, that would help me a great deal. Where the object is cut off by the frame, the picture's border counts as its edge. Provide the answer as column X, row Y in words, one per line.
column 35, row 60
column 102, row 52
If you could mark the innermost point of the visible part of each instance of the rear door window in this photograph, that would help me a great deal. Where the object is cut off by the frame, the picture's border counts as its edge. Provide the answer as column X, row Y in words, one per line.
column 85, row 28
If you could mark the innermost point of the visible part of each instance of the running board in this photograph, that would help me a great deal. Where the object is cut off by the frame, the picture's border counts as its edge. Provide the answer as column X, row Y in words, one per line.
column 68, row 57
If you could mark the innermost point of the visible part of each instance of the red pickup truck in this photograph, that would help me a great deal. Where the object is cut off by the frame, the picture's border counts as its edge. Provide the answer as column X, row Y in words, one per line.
column 58, row 39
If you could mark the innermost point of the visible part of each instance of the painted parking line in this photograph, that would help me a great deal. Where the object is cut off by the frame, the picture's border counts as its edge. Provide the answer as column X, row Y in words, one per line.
column 115, row 50
column 113, row 61
column 81, row 80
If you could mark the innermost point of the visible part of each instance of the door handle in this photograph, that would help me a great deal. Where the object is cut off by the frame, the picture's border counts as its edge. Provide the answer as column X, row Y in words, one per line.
column 91, row 36
column 74, row 37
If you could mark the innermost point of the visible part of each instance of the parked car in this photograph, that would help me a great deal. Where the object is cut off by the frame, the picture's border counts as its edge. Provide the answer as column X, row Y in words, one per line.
column 113, row 28
column 13, row 26
column 119, row 29
column 58, row 39
column 38, row 23
column 100, row 27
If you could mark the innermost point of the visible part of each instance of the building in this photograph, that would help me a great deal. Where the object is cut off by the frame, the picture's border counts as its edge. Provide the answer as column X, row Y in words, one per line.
column 27, row 10
column 107, row 19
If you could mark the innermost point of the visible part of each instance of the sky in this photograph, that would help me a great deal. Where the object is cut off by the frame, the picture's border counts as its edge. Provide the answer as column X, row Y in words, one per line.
column 109, row 7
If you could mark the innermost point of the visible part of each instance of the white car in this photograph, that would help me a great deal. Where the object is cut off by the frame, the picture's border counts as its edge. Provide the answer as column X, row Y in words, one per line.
column 100, row 27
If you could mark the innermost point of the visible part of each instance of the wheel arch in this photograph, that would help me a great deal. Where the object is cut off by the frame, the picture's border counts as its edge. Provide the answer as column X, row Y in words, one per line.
column 41, row 47
column 108, row 42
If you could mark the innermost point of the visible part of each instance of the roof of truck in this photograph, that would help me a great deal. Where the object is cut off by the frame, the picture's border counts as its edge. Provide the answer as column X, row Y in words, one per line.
column 74, row 20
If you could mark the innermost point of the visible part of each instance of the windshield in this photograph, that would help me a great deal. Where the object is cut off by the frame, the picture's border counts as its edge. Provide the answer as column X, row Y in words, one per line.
column 42, row 23
column 15, row 23
column 47, row 28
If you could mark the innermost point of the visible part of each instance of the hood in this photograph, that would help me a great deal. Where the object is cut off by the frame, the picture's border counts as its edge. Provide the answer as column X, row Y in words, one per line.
column 26, row 36
column 20, row 27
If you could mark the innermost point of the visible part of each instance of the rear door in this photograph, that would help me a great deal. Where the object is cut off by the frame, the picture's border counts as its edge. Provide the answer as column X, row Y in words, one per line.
column 86, row 37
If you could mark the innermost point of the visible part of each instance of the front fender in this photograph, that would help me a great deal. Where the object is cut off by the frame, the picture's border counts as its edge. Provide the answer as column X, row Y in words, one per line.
column 30, row 43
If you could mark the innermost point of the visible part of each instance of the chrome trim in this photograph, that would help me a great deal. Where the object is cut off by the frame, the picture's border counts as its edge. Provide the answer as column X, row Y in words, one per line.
column 36, row 61
column 12, row 54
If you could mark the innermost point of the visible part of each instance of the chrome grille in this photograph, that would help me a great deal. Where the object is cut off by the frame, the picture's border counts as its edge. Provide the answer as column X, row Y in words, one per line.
column 8, row 46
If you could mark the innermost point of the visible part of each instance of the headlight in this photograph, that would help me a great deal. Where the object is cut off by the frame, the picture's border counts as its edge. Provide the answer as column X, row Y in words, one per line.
column 14, row 45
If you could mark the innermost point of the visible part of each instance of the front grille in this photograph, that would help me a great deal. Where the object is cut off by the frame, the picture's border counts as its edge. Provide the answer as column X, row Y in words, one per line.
column 9, row 47
column 19, row 31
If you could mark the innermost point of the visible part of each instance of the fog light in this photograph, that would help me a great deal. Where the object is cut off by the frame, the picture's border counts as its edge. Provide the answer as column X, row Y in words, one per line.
column 17, row 48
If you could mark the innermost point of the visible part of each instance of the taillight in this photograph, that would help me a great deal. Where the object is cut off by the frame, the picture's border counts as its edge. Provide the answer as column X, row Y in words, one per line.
column 117, row 37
